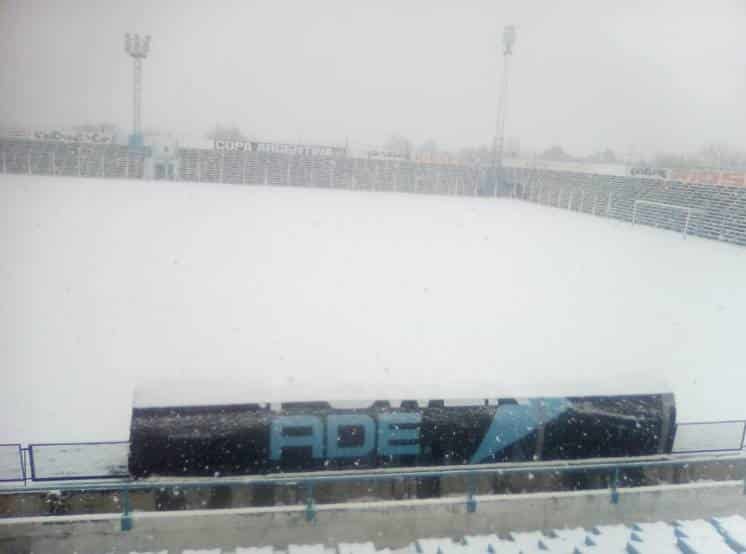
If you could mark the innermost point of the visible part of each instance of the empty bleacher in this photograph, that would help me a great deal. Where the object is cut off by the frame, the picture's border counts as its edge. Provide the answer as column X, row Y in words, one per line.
column 34, row 157
column 710, row 211
column 717, row 535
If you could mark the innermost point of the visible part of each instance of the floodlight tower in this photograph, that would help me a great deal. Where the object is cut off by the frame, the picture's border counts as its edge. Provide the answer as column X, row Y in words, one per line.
column 137, row 48
column 509, row 35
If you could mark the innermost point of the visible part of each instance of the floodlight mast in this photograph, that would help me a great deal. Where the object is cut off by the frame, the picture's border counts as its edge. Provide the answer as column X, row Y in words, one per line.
column 137, row 48
column 508, row 41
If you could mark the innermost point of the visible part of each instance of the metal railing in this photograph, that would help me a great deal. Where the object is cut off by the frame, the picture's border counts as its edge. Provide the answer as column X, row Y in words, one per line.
column 71, row 461
column 614, row 471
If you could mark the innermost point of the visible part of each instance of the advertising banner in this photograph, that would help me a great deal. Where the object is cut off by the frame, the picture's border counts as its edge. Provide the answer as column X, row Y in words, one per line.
column 649, row 172
column 709, row 177
column 74, row 136
column 278, row 148
column 305, row 436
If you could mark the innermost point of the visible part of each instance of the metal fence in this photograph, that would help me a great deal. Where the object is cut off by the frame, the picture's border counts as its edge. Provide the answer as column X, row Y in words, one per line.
column 101, row 468
column 91, row 461
column 30, row 157
column 611, row 475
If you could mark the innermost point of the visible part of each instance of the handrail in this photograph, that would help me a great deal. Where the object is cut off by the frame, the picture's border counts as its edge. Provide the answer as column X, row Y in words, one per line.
column 613, row 466
column 30, row 474
column 373, row 475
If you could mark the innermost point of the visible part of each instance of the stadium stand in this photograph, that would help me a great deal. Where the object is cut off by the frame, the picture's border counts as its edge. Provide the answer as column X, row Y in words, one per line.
column 715, row 536
column 71, row 159
column 710, row 211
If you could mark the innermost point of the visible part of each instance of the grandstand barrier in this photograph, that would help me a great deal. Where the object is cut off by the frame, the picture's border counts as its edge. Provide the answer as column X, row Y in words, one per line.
column 12, row 467
column 310, row 491
column 108, row 459
column 71, row 461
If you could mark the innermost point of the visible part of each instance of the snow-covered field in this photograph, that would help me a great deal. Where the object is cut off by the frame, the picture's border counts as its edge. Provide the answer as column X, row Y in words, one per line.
column 106, row 283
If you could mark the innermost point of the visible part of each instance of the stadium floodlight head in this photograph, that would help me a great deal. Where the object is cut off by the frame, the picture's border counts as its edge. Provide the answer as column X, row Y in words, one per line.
column 137, row 48
column 508, row 39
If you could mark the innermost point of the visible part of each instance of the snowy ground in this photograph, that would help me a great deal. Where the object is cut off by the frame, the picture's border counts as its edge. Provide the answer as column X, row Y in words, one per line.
column 105, row 283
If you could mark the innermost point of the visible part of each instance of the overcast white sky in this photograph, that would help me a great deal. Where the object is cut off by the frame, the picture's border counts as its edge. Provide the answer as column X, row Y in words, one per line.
column 587, row 74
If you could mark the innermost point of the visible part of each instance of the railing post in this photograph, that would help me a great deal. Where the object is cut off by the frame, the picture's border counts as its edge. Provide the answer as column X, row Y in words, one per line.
column 471, row 501
column 310, row 504
column 614, row 486
column 126, row 511
column 24, row 466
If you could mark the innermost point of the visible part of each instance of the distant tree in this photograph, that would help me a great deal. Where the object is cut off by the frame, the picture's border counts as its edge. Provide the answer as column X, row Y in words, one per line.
column 400, row 145
column 720, row 155
column 665, row 159
column 226, row 132
column 556, row 154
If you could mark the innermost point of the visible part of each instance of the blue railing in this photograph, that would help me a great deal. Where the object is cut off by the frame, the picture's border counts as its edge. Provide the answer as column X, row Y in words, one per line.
column 612, row 469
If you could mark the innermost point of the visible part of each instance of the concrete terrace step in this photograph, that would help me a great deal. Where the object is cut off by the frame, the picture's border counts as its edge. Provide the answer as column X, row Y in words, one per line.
column 721, row 535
